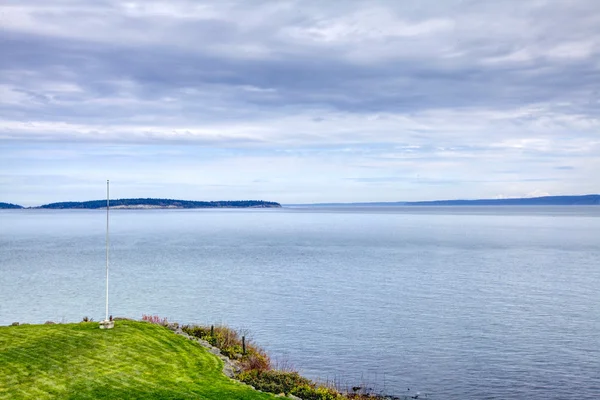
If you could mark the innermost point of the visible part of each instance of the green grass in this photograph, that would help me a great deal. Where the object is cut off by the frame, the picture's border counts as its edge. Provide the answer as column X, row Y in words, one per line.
column 135, row 360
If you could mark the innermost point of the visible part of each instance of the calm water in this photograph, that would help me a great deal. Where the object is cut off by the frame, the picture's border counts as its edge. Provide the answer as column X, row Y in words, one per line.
column 476, row 303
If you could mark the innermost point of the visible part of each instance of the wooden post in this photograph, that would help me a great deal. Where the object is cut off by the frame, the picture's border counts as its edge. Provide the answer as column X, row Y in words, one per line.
column 243, row 345
column 212, row 331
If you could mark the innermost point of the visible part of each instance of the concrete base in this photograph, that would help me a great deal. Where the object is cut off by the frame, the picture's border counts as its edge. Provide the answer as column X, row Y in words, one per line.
column 107, row 324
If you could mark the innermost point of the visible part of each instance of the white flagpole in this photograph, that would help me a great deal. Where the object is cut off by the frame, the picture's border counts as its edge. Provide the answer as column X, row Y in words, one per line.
column 107, row 208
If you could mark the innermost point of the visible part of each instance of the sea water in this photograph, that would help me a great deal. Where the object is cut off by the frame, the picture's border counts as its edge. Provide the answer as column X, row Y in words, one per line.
column 451, row 302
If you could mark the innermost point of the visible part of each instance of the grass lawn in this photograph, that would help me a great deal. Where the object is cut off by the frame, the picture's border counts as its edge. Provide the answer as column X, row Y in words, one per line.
column 135, row 360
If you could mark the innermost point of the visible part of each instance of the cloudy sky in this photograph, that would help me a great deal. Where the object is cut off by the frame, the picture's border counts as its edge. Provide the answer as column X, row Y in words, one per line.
column 298, row 101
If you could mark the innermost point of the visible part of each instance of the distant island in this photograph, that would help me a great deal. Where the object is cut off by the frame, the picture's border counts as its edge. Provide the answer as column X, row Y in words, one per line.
column 160, row 203
column 584, row 200
column 150, row 203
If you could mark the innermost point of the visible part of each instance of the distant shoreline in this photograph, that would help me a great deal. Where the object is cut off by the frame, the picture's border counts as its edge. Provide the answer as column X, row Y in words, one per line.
column 583, row 200
column 151, row 203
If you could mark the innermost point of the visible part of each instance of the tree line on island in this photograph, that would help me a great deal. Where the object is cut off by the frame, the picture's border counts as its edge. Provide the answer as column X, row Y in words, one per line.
column 151, row 203
column 163, row 203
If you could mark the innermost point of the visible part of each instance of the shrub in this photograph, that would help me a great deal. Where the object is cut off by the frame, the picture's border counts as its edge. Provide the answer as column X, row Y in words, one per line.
column 233, row 352
column 255, row 358
column 229, row 342
column 198, row 331
column 224, row 337
column 155, row 319
column 273, row 381
column 219, row 336
column 310, row 392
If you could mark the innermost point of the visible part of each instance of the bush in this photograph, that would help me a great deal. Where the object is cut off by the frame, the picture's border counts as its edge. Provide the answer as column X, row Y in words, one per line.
column 255, row 359
column 219, row 336
column 155, row 319
column 226, row 337
column 233, row 352
column 273, row 381
column 309, row 392
column 229, row 342
column 198, row 331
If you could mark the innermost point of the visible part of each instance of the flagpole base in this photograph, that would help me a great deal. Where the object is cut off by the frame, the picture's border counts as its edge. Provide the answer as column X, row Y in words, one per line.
column 107, row 324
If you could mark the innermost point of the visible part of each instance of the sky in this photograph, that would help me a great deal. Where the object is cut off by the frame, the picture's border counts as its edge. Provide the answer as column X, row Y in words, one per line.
column 298, row 101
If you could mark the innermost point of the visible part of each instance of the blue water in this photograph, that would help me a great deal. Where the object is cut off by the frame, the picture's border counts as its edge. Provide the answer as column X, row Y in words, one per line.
column 455, row 303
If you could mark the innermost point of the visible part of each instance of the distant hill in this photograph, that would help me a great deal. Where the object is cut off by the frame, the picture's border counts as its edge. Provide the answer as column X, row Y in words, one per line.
column 585, row 200
column 590, row 199
column 160, row 203
column 9, row 206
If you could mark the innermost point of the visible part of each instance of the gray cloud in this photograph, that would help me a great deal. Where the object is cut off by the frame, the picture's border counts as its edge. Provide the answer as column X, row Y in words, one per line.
column 466, row 54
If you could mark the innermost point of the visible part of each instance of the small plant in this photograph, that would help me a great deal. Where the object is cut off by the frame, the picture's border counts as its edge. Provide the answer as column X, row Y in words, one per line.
column 255, row 359
column 233, row 352
column 273, row 381
column 201, row 332
column 87, row 319
column 310, row 392
column 155, row 319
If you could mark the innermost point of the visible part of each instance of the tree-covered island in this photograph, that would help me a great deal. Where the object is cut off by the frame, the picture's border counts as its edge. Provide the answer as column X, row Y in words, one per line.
column 161, row 203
